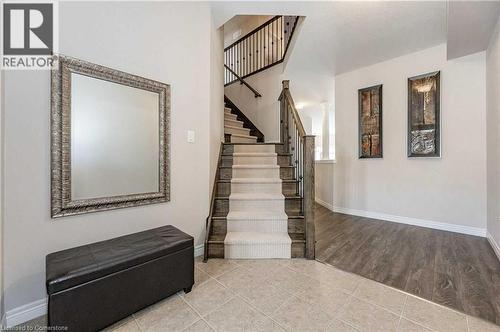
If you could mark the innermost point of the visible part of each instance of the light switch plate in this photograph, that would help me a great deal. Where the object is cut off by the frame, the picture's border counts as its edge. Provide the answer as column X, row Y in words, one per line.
column 190, row 136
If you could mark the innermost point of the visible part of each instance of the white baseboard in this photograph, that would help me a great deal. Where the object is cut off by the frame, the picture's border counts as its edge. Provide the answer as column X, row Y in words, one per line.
column 199, row 250
column 25, row 313
column 494, row 244
column 325, row 204
column 38, row 308
column 407, row 220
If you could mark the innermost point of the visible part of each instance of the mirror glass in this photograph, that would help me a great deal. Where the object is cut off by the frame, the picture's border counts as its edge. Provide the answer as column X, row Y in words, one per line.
column 114, row 139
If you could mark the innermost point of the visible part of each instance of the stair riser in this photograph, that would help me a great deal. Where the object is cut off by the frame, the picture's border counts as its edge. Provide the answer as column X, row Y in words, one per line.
column 223, row 188
column 229, row 148
column 287, row 173
column 245, row 251
column 289, row 188
column 235, row 139
column 257, row 205
column 267, row 226
column 256, row 172
column 292, row 204
column 227, row 161
column 255, row 148
column 260, row 160
column 270, row 188
column 296, row 225
column 292, row 207
column 225, row 173
column 216, row 250
column 284, row 160
column 237, row 131
column 221, row 207
column 233, row 123
column 229, row 116
column 219, row 226
column 298, row 250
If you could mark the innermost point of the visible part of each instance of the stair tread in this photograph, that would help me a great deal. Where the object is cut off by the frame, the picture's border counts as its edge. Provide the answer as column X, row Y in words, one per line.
column 251, row 196
column 287, row 196
column 256, row 180
column 254, row 154
column 244, row 136
column 257, row 238
column 231, row 120
column 219, row 238
column 256, row 215
column 216, row 238
column 297, row 237
column 290, row 216
column 282, row 180
column 258, row 143
column 255, row 166
column 234, row 127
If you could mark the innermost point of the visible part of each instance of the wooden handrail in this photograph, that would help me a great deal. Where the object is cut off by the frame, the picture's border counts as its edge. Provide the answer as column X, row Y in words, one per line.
column 208, row 221
column 256, row 94
column 301, row 147
column 285, row 94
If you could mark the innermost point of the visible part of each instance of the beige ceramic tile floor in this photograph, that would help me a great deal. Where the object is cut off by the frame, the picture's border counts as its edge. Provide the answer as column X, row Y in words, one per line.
column 292, row 295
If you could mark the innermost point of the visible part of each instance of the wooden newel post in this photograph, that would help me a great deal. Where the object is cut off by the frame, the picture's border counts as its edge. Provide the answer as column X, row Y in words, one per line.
column 284, row 116
column 309, row 194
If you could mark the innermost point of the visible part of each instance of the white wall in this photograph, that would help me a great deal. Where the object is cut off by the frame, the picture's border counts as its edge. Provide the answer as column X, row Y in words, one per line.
column 493, row 136
column 216, row 98
column 165, row 41
column 2, row 196
column 264, row 112
column 450, row 189
column 242, row 24
column 324, row 173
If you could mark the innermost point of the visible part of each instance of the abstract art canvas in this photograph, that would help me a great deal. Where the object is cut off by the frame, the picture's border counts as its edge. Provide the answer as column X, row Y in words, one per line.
column 370, row 122
column 424, row 116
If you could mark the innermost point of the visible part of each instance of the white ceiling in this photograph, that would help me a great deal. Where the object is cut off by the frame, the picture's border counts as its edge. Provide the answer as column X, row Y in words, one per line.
column 470, row 25
column 340, row 36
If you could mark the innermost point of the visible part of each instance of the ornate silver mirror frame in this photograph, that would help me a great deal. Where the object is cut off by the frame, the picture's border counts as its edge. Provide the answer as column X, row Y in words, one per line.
column 62, row 202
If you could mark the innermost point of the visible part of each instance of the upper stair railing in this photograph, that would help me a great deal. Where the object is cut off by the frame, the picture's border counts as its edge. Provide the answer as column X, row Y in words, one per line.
column 301, row 146
column 260, row 49
column 242, row 81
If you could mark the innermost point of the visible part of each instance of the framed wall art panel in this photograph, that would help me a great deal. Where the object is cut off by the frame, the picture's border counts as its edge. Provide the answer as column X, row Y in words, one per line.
column 424, row 135
column 370, row 122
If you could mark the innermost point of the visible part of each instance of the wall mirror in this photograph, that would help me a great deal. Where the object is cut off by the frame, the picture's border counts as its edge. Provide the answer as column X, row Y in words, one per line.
column 110, row 138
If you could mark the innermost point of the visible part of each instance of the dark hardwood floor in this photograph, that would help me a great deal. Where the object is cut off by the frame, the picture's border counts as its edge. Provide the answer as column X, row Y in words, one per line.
column 456, row 270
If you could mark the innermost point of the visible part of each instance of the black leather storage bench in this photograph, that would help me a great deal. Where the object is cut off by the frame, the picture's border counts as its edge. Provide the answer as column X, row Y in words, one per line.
column 93, row 286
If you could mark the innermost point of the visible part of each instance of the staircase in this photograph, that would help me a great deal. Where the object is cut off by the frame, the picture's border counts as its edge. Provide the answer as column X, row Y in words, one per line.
column 223, row 219
column 235, row 130
column 262, row 198
column 263, row 195
column 256, row 222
